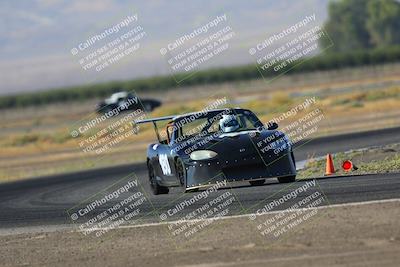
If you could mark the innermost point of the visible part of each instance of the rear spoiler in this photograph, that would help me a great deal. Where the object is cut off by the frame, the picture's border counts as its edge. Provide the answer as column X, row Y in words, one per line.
column 154, row 121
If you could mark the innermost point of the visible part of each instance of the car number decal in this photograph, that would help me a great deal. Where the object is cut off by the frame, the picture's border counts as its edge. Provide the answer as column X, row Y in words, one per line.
column 164, row 163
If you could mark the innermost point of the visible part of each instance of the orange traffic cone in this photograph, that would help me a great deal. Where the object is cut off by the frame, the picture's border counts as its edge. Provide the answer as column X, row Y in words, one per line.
column 330, row 169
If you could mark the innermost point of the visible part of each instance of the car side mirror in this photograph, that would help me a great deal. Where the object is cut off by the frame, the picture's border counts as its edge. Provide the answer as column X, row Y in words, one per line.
column 272, row 125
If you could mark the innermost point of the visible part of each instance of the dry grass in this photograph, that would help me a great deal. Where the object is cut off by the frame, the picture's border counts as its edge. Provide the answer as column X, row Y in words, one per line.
column 37, row 141
column 376, row 160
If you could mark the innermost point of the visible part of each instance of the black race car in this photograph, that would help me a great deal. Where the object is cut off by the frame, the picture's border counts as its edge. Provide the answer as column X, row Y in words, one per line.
column 197, row 150
column 124, row 101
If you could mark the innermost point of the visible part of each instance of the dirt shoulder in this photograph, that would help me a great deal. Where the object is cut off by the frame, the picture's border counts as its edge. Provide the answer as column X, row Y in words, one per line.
column 361, row 235
column 372, row 160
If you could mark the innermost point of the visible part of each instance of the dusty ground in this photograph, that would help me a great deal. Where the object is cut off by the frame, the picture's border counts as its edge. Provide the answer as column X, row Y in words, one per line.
column 362, row 235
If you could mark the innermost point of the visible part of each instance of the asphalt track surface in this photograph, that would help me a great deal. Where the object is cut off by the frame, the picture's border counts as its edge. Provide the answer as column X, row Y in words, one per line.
column 51, row 200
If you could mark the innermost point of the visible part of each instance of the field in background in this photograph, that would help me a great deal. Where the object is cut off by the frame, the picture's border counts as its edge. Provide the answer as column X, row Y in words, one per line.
column 329, row 61
column 36, row 140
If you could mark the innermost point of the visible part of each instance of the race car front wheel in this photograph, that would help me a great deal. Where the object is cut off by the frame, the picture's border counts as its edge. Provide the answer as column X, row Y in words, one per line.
column 155, row 187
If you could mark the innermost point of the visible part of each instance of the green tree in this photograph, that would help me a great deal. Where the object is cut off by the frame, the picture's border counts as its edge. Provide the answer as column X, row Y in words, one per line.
column 362, row 24
column 383, row 22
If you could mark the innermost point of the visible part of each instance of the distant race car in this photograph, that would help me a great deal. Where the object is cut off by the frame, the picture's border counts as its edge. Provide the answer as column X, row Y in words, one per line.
column 197, row 150
column 126, row 101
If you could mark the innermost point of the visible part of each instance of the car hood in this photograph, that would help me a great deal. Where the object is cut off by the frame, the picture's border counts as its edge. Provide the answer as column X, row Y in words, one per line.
column 245, row 143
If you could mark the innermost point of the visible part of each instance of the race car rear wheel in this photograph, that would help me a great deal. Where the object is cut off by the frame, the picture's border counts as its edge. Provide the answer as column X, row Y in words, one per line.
column 155, row 187
column 257, row 182
column 287, row 179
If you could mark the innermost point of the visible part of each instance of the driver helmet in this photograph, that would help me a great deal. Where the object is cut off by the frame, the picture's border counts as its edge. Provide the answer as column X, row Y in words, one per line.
column 228, row 123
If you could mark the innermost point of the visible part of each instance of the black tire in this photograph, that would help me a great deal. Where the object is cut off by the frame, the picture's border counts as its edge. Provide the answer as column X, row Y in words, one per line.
column 257, row 182
column 287, row 179
column 155, row 187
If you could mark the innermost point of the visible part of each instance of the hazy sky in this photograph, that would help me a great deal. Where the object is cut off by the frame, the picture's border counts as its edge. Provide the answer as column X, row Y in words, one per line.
column 36, row 36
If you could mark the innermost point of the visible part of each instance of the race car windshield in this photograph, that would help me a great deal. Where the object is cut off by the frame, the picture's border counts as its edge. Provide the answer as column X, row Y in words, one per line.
column 211, row 123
